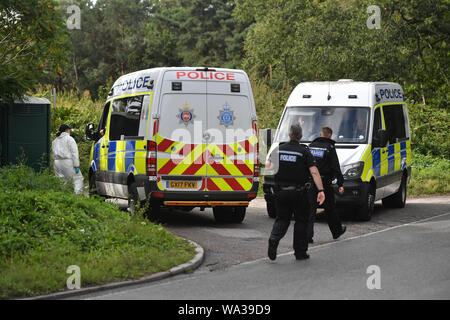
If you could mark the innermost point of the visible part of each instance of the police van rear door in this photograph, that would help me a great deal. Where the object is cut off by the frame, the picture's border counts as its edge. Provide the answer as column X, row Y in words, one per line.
column 230, row 134
column 179, row 135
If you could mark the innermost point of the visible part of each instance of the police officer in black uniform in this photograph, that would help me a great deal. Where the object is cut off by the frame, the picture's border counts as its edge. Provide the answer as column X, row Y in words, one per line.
column 295, row 167
column 325, row 156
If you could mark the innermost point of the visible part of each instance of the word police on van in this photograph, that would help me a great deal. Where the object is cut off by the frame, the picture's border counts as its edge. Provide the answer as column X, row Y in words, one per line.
column 184, row 137
column 373, row 141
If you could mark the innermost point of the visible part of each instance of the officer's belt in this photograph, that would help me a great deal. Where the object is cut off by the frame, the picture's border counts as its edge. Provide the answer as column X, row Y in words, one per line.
column 295, row 188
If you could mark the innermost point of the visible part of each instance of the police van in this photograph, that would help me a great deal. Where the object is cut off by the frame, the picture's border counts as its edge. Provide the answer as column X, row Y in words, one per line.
column 373, row 141
column 178, row 137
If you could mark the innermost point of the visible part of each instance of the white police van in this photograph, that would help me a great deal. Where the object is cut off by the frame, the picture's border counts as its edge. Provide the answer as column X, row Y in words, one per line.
column 184, row 137
column 373, row 141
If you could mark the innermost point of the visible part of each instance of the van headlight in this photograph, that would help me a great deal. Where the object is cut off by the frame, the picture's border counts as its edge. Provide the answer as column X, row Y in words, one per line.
column 353, row 170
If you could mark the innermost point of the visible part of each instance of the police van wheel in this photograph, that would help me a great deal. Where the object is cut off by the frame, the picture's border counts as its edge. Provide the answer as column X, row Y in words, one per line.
column 229, row 214
column 222, row 214
column 133, row 198
column 271, row 209
column 238, row 214
column 397, row 200
column 153, row 212
column 365, row 212
column 92, row 185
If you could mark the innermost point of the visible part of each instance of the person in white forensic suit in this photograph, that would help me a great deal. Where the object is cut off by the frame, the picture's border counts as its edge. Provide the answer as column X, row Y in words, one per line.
column 67, row 162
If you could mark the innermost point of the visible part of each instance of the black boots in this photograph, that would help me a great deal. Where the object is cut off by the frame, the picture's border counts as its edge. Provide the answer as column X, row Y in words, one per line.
column 301, row 256
column 344, row 228
column 272, row 252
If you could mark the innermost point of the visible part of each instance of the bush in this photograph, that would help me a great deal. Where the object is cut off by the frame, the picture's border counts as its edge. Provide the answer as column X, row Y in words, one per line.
column 75, row 111
column 430, row 175
column 430, row 129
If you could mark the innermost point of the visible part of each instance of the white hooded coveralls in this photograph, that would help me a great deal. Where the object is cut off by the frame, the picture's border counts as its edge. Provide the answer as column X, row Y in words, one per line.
column 65, row 154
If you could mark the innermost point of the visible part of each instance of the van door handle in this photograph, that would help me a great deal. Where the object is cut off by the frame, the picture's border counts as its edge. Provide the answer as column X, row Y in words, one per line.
column 206, row 136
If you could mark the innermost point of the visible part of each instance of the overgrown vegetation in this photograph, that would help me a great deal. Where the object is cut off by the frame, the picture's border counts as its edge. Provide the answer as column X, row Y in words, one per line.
column 34, row 43
column 76, row 111
column 44, row 228
column 430, row 175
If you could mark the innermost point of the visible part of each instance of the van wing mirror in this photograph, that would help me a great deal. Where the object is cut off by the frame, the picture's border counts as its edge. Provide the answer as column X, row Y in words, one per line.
column 90, row 131
column 380, row 139
column 267, row 136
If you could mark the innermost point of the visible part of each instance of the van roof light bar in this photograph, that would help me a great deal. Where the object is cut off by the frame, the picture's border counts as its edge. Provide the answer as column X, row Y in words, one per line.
column 205, row 69
column 377, row 97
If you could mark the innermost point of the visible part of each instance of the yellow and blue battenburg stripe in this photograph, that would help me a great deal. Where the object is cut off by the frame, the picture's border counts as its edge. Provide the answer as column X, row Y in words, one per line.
column 120, row 156
column 383, row 161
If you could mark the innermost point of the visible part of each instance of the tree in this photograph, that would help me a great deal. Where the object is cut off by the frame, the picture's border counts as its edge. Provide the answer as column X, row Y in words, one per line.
column 34, row 42
column 196, row 33
column 327, row 40
column 110, row 42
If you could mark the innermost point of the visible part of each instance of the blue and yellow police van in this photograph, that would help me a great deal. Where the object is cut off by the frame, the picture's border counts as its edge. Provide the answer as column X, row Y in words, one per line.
column 178, row 137
column 373, row 139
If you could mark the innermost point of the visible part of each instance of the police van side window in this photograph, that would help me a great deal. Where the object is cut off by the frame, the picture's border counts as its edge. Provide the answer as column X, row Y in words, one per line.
column 125, row 115
column 395, row 123
column 104, row 117
column 377, row 122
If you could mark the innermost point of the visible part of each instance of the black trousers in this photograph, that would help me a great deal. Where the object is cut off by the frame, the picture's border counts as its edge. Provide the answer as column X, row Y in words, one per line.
column 333, row 219
column 290, row 203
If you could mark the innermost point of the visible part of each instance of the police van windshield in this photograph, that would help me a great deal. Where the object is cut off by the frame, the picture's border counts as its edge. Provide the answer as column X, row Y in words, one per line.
column 349, row 124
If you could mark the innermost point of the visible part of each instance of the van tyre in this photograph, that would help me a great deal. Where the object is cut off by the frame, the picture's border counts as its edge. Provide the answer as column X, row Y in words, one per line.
column 153, row 212
column 133, row 198
column 364, row 213
column 92, row 185
column 229, row 214
column 398, row 199
column 238, row 214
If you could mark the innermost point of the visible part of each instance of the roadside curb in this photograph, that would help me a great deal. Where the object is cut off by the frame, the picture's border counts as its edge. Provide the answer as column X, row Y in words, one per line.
column 182, row 268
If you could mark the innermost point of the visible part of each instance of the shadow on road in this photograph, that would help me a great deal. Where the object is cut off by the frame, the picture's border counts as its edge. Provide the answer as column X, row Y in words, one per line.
column 194, row 218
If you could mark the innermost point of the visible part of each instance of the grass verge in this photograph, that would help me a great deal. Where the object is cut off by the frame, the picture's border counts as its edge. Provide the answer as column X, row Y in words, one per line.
column 44, row 229
column 430, row 175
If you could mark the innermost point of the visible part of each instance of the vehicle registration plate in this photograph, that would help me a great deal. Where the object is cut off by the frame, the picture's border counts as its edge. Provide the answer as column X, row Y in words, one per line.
column 182, row 184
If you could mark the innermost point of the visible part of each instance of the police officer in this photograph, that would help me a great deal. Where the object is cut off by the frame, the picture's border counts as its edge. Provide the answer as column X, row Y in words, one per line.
column 325, row 156
column 295, row 166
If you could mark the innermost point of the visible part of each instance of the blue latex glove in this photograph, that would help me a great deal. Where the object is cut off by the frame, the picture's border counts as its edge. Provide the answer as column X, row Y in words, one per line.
column 77, row 170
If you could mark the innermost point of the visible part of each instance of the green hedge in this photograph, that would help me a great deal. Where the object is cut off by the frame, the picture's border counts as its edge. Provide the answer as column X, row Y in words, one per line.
column 429, row 175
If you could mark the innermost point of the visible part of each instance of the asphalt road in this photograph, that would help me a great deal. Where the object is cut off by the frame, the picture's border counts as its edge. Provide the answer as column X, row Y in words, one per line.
column 413, row 258
column 413, row 263
column 227, row 245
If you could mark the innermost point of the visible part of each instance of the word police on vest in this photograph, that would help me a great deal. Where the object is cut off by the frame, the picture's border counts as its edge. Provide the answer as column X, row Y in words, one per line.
column 285, row 157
